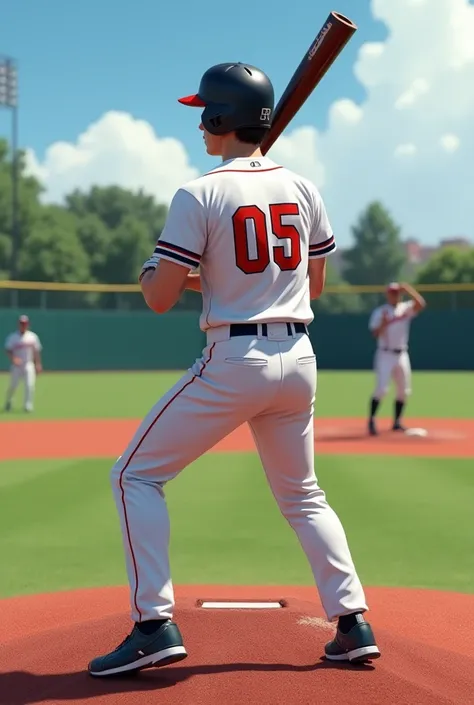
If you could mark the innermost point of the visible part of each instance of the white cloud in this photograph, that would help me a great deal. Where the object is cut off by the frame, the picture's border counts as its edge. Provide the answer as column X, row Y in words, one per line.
column 299, row 151
column 418, row 104
column 117, row 149
column 418, row 88
column 346, row 111
column 405, row 150
column 450, row 143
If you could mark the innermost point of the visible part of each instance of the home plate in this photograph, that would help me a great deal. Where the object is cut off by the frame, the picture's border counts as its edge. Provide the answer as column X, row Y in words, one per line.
column 416, row 432
column 240, row 605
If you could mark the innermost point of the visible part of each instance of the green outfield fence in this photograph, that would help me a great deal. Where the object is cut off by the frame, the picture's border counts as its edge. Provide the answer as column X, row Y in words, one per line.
column 108, row 327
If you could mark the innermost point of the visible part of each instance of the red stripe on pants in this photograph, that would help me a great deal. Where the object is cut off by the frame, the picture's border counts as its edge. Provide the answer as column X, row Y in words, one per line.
column 127, row 523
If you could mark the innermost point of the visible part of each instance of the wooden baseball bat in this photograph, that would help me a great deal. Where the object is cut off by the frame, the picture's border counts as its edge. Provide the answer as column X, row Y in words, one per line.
column 331, row 40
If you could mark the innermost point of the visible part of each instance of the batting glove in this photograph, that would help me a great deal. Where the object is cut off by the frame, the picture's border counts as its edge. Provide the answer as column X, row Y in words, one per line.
column 151, row 263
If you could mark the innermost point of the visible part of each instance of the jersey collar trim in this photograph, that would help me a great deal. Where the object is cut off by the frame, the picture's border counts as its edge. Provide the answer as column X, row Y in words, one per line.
column 245, row 165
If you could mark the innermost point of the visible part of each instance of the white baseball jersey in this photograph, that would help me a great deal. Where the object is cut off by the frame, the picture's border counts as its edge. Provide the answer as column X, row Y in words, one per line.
column 250, row 226
column 23, row 345
column 396, row 334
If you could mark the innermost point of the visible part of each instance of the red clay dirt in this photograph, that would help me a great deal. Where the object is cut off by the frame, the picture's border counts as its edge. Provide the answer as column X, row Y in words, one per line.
column 105, row 438
column 239, row 656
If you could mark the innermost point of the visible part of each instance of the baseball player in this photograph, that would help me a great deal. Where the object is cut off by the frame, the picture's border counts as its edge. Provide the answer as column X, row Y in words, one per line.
column 23, row 348
column 390, row 325
column 260, row 236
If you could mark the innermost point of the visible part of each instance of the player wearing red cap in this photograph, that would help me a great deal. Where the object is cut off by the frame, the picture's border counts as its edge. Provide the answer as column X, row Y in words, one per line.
column 23, row 348
column 390, row 325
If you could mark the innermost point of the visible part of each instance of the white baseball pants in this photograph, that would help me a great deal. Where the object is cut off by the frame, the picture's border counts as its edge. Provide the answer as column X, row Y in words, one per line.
column 396, row 366
column 269, row 383
column 26, row 374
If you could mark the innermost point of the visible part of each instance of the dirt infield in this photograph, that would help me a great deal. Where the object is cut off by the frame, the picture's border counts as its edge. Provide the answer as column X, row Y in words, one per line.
column 271, row 657
column 107, row 438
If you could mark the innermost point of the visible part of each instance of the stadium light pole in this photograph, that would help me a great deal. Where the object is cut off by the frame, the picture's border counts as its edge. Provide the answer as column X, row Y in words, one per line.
column 9, row 100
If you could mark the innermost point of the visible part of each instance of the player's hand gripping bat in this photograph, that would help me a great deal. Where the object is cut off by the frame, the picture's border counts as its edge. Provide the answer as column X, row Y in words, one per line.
column 331, row 40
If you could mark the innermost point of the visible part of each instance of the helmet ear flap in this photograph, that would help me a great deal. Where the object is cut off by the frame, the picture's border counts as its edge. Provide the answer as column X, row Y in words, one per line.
column 216, row 122
column 215, row 118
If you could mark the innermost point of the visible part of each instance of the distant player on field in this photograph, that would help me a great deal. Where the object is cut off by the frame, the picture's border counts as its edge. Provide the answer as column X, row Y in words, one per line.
column 23, row 348
column 390, row 325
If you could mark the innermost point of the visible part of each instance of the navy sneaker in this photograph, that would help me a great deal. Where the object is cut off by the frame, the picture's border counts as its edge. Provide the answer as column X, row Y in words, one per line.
column 139, row 651
column 357, row 646
column 397, row 426
column 372, row 428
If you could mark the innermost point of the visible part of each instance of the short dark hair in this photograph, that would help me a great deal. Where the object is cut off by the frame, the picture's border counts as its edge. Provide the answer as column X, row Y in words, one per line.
column 251, row 135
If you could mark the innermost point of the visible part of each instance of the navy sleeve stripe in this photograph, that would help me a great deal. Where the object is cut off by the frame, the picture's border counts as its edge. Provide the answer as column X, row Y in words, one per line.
column 322, row 252
column 322, row 245
column 177, row 248
column 176, row 256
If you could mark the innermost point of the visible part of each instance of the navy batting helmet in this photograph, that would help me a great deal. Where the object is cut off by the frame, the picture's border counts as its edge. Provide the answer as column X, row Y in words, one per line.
column 233, row 95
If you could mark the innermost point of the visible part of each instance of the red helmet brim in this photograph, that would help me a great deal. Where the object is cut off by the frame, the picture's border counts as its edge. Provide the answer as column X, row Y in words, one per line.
column 193, row 101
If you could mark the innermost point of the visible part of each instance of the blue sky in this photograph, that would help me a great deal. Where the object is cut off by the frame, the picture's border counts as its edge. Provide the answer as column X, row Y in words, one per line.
column 80, row 61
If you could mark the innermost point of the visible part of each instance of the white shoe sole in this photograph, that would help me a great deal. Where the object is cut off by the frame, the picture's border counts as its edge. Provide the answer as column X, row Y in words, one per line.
column 161, row 658
column 365, row 653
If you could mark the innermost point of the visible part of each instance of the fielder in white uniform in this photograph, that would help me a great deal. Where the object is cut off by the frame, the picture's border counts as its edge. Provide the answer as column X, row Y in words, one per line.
column 23, row 348
column 390, row 325
column 260, row 236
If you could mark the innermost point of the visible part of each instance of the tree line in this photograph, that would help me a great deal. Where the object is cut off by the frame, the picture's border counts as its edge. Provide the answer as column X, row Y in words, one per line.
column 104, row 234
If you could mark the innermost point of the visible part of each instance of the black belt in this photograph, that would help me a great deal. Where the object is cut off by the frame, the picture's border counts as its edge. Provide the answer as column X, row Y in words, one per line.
column 395, row 350
column 252, row 329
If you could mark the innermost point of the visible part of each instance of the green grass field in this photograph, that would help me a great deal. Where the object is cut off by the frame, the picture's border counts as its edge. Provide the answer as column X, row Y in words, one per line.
column 409, row 520
column 131, row 394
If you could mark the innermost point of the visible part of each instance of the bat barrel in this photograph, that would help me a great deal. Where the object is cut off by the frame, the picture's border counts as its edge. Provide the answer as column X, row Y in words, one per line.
column 343, row 19
column 332, row 38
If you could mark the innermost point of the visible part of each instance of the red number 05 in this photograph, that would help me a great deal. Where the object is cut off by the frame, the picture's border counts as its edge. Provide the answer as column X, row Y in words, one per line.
column 286, row 262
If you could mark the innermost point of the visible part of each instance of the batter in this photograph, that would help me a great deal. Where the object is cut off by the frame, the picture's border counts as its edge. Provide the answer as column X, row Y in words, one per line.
column 23, row 348
column 390, row 325
column 259, row 235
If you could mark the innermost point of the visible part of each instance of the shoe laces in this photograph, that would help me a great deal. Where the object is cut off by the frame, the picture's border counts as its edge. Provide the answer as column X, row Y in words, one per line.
column 125, row 641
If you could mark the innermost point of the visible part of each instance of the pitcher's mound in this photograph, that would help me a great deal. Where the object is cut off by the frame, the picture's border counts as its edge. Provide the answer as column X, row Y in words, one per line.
column 263, row 656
